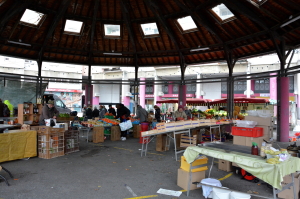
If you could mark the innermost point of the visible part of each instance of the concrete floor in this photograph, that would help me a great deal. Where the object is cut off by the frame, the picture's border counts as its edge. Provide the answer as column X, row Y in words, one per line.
column 107, row 170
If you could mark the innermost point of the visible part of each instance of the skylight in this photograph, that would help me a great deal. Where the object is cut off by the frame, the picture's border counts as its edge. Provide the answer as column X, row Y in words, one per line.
column 32, row 17
column 222, row 11
column 187, row 23
column 73, row 26
column 150, row 29
column 112, row 30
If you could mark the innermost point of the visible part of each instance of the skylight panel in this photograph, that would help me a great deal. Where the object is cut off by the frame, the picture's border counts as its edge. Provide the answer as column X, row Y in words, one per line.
column 187, row 23
column 73, row 26
column 112, row 30
column 223, row 12
column 32, row 17
column 149, row 29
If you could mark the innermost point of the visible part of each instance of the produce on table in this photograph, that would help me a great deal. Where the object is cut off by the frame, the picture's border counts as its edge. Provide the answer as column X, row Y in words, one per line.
column 273, row 160
column 64, row 115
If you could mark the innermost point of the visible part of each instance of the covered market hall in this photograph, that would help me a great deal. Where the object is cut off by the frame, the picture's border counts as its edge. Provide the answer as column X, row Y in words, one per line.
column 149, row 99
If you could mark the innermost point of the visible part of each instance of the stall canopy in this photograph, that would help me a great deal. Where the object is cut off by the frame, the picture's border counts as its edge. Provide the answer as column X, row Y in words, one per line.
column 190, row 102
column 242, row 101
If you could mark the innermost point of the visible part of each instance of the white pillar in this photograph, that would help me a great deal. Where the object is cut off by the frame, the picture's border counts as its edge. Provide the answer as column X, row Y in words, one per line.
column 248, row 89
column 125, row 91
column 157, row 90
column 199, row 87
column 298, row 96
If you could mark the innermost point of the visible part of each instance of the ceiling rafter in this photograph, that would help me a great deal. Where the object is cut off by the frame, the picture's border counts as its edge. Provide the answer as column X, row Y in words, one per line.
column 157, row 12
column 63, row 8
column 96, row 8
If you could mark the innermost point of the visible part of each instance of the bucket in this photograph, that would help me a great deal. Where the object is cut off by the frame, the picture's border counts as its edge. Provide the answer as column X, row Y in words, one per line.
column 220, row 193
column 144, row 126
column 237, row 195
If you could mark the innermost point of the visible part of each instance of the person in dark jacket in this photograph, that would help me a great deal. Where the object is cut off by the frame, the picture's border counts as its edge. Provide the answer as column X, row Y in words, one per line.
column 111, row 110
column 48, row 111
column 95, row 112
column 123, row 113
column 89, row 112
column 157, row 113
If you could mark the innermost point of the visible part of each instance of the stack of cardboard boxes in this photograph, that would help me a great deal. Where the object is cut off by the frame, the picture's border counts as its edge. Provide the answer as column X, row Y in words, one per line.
column 263, row 122
column 197, row 174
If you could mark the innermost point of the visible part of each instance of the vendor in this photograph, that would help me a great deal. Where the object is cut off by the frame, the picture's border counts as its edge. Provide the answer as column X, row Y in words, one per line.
column 180, row 114
column 141, row 114
column 48, row 111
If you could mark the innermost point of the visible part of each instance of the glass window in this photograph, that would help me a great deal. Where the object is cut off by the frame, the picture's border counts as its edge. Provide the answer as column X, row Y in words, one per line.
column 187, row 23
column 149, row 29
column 222, row 11
column 59, row 103
column 112, row 30
column 262, row 86
column 239, row 87
column 32, row 17
column 73, row 26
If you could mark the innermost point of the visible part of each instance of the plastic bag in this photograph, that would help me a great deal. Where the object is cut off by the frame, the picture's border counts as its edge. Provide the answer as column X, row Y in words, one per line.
column 246, row 123
column 125, row 125
column 48, row 121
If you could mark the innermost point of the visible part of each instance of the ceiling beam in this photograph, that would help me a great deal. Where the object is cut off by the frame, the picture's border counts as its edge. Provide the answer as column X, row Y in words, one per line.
column 240, row 7
column 96, row 8
column 198, row 19
column 58, row 16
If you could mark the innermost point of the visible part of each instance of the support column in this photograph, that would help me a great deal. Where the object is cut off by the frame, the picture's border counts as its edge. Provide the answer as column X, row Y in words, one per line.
column 273, row 90
column 248, row 91
column 182, row 95
column 298, row 95
column 125, row 91
column 199, row 87
column 142, row 92
column 89, row 95
column 170, row 87
column 284, row 109
column 157, row 90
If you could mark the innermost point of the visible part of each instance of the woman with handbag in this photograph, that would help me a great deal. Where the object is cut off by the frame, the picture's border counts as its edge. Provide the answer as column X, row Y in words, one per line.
column 123, row 113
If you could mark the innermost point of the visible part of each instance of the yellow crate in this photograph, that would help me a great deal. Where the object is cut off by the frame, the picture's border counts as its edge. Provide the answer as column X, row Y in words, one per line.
column 186, row 166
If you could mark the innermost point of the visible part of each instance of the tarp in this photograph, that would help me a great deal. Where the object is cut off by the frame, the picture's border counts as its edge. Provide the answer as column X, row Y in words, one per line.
column 19, row 145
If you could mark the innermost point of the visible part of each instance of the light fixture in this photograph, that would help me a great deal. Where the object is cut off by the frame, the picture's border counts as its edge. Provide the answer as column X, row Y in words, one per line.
column 290, row 21
column 112, row 53
column 198, row 49
column 20, row 43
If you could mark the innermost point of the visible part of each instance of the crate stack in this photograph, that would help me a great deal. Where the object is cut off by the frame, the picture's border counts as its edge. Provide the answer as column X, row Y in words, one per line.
column 198, row 172
column 71, row 141
column 50, row 142
column 262, row 131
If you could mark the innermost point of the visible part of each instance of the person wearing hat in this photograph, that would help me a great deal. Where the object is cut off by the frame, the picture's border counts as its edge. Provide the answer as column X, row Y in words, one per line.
column 180, row 114
column 48, row 111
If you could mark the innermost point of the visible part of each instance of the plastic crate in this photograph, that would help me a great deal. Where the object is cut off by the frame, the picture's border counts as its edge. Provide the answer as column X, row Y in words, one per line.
column 247, row 132
column 186, row 166
column 107, row 131
column 109, row 116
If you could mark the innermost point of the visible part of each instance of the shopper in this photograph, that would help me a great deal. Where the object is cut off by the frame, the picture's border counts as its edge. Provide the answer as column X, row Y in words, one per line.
column 89, row 112
column 4, row 110
column 123, row 113
column 111, row 110
column 49, row 111
column 141, row 113
column 188, row 112
column 10, row 107
column 102, row 111
column 180, row 114
column 95, row 112
column 157, row 113
column 84, row 110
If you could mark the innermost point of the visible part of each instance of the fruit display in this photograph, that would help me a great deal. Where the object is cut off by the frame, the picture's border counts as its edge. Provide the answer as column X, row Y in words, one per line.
column 113, row 122
column 64, row 115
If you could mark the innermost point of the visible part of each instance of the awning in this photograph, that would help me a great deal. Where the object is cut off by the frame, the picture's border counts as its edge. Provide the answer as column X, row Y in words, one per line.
column 239, row 101
column 189, row 101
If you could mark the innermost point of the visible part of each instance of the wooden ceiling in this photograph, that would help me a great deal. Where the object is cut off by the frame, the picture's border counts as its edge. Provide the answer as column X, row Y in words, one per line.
column 256, row 29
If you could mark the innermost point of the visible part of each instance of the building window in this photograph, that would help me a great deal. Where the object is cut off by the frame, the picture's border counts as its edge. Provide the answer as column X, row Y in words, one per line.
column 150, row 30
column 73, row 27
column 112, row 31
column 186, row 24
column 191, row 88
column 149, row 88
column 175, row 89
column 239, row 87
column 262, row 85
column 32, row 18
column 166, row 89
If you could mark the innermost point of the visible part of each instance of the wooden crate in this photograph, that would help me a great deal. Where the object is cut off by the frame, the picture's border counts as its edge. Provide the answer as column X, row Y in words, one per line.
column 115, row 133
column 98, row 134
column 50, row 142
column 186, row 141
column 136, row 131
column 71, row 141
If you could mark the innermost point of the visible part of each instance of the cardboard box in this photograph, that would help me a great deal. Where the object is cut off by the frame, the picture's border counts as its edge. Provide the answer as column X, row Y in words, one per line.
column 225, row 165
column 170, row 126
column 136, row 130
column 186, row 166
column 261, row 121
column 288, row 193
column 161, row 127
column 239, row 140
column 258, row 140
column 187, row 124
column 183, row 178
column 195, row 123
column 234, row 164
column 115, row 133
column 267, row 130
column 161, row 142
column 179, row 125
column 98, row 134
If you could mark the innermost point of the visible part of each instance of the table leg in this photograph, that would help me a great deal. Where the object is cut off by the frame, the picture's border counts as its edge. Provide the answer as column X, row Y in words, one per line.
column 294, row 190
column 274, row 193
column 212, row 163
column 4, row 180
column 142, row 148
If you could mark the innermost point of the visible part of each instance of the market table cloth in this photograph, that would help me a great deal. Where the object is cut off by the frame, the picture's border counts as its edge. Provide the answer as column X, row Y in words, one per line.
column 18, row 145
column 257, row 166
